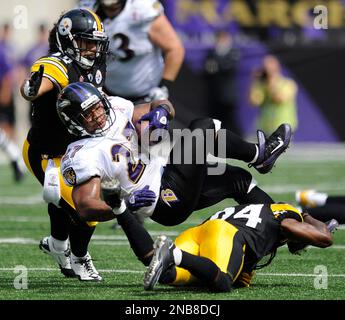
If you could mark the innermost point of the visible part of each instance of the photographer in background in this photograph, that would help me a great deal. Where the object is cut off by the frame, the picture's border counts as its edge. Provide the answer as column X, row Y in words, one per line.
column 275, row 94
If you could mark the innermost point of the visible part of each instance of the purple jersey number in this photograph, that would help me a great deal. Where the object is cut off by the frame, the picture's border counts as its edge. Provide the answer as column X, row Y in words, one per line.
column 135, row 169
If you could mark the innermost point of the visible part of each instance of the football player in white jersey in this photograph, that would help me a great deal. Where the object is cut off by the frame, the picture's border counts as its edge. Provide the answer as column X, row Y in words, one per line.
column 145, row 53
column 107, row 149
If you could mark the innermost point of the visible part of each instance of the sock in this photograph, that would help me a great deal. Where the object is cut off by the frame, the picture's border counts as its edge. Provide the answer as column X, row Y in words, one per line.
column 60, row 222
column 74, row 257
column 9, row 146
column 318, row 198
column 202, row 268
column 256, row 154
column 79, row 238
column 177, row 253
column 58, row 245
column 236, row 147
column 139, row 239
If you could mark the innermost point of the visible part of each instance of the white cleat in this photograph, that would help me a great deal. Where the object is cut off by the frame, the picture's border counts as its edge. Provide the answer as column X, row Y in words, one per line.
column 62, row 258
column 84, row 268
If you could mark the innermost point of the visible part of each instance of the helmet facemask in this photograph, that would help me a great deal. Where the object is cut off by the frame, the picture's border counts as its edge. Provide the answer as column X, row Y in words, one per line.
column 79, row 123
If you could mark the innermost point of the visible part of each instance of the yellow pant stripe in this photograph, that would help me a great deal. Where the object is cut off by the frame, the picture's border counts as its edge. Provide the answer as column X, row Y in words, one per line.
column 66, row 191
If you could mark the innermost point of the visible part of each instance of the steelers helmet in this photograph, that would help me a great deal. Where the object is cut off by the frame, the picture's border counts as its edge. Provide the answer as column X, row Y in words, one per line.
column 73, row 103
column 85, row 25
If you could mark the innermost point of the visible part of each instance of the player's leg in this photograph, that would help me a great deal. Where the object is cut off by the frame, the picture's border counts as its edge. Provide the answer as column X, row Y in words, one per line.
column 13, row 153
column 56, row 244
column 329, row 211
column 235, row 183
column 210, row 254
column 229, row 145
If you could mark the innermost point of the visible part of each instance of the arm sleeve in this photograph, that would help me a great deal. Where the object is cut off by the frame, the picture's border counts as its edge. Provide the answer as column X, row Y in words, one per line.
column 54, row 70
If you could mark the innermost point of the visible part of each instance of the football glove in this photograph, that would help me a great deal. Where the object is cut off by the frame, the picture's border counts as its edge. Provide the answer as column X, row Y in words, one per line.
column 110, row 193
column 140, row 198
column 32, row 85
column 158, row 118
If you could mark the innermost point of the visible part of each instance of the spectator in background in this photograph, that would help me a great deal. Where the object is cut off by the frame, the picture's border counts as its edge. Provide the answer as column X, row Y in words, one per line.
column 275, row 95
column 7, row 107
column 145, row 53
column 220, row 68
column 39, row 49
column 7, row 117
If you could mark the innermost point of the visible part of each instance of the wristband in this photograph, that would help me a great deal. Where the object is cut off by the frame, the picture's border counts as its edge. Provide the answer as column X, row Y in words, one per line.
column 121, row 209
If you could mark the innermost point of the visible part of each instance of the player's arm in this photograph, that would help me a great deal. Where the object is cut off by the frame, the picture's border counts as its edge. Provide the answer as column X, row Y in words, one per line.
column 46, row 73
column 88, row 202
column 164, row 36
column 311, row 231
column 142, row 109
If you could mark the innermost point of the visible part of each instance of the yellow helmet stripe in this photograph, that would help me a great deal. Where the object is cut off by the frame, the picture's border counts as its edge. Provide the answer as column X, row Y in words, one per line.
column 98, row 21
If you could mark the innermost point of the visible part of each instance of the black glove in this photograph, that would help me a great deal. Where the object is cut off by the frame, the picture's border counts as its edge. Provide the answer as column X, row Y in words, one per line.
column 32, row 85
column 110, row 193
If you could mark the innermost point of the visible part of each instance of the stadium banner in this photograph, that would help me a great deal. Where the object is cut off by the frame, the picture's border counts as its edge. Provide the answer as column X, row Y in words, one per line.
column 283, row 28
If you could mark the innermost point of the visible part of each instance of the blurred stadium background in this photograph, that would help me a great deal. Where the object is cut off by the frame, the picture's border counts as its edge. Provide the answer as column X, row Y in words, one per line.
column 314, row 58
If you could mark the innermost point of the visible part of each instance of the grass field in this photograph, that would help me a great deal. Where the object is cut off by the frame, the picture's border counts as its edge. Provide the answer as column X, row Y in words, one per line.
column 24, row 221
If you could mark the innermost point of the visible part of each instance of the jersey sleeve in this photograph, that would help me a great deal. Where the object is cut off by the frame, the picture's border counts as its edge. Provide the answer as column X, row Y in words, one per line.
column 122, row 105
column 148, row 10
column 54, row 70
column 81, row 167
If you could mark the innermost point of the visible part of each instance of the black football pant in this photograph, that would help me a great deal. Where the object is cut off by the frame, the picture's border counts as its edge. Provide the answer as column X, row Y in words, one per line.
column 188, row 187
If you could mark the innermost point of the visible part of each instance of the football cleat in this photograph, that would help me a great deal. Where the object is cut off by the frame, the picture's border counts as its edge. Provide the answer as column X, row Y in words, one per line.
column 62, row 258
column 332, row 225
column 310, row 198
column 271, row 148
column 84, row 268
column 162, row 259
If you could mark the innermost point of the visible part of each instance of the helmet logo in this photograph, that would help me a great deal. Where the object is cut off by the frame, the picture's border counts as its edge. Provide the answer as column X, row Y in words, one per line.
column 98, row 76
column 65, row 26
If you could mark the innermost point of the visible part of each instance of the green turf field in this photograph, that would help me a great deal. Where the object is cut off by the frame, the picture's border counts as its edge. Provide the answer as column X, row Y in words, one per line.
column 24, row 221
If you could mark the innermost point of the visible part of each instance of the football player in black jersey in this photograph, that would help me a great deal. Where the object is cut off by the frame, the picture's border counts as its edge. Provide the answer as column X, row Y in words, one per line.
column 78, row 46
column 223, row 252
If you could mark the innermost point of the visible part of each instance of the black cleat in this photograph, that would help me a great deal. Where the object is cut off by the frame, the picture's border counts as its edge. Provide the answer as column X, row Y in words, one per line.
column 272, row 147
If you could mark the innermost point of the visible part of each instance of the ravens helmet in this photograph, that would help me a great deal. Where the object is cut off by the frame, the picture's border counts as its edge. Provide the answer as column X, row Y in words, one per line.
column 77, row 102
column 112, row 8
column 80, row 35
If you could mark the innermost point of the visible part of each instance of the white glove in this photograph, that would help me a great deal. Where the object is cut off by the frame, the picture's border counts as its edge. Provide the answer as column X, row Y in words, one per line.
column 159, row 93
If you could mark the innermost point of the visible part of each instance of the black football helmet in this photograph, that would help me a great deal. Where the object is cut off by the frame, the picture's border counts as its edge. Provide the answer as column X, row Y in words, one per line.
column 73, row 103
column 85, row 25
column 111, row 8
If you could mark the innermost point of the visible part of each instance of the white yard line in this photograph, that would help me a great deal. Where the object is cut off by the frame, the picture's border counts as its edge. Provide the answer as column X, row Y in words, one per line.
column 141, row 271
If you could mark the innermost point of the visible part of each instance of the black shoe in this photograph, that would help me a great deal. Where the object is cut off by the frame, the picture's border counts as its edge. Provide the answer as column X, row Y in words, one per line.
column 17, row 172
column 162, row 259
column 272, row 147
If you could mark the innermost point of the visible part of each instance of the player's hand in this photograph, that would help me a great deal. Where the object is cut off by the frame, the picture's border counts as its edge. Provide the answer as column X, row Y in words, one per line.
column 158, row 118
column 32, row 85
column 110, row 193
column 141, row 198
